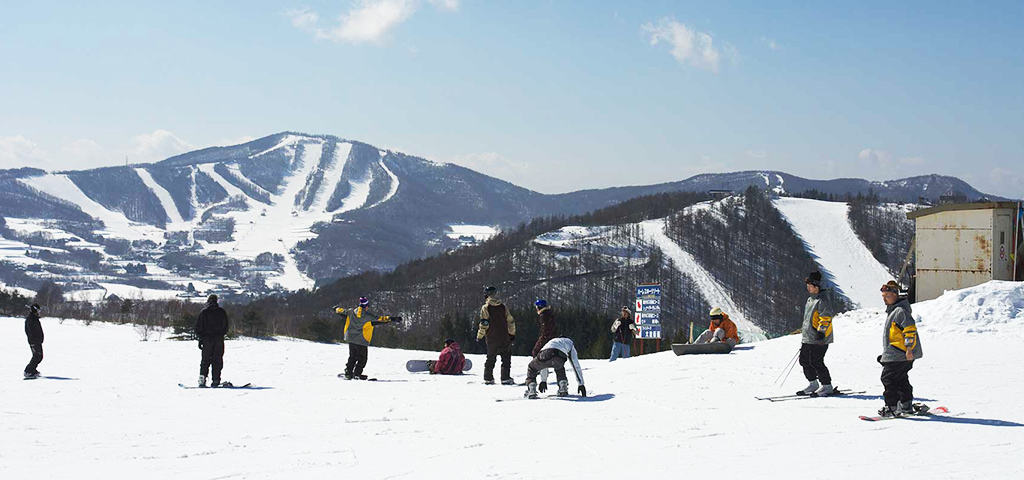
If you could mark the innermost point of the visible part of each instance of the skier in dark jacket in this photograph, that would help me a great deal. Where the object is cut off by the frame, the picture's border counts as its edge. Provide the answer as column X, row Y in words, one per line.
column 359, row 325
column 623, row 331
column 499, row 328
column 211, row 327
column 34, row 332
column 548, row 327
column 900, row 348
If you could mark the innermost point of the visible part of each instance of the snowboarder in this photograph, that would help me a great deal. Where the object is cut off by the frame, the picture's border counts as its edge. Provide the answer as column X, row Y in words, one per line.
column 548, row 327
column 451, row 361
column 211, row 327
column 721, row 329
column 554, row 355
column 359, row 325
column 900, row 348
column 817, row 335
column 498, row 327
column 34, row 332
column 623, row 331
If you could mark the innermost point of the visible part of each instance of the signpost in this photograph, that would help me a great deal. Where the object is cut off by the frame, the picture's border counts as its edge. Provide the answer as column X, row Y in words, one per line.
column 648, row 314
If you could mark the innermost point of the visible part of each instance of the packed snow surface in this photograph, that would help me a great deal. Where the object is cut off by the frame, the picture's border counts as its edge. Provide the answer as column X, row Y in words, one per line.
column 834, row 246
column 478, row 232
column 164, row 196
column 114, row 410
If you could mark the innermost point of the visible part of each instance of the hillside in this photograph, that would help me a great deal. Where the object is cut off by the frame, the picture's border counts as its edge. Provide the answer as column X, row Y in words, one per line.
column 307, row 423
column 294, row 210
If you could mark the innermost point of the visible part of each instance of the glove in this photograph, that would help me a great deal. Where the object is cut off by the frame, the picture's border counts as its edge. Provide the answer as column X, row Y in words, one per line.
column 482, row 340
column 201, row 345
column 582, row 391
column 339, row 310
column 396, row 319
column 879, row 359
column 543, row 387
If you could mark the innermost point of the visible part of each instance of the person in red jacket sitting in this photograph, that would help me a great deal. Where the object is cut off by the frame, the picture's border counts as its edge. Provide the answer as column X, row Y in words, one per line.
column 451, row 360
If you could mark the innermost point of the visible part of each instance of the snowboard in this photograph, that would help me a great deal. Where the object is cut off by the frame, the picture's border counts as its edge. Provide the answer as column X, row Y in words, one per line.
column 424, row 365
column 342, row 376
column 700, row 349
column 225, row 385
column 925, row 413
column 542, row 397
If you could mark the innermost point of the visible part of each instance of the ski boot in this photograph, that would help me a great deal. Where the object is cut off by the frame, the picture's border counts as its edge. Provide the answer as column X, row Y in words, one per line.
column 349, row 376
column 202, row 381
column 810, row 388
column 361, row 377
column 31, row 374
column 215, row 384
column 531, row 391
column 905, row 409
column 824, row 391
column 888, row 412
column 563, row 388
column 488, row 381
column 508, row 381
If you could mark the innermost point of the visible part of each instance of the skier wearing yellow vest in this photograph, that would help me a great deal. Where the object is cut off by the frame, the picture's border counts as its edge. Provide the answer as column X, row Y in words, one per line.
column 900, row 348
column 359, row 324
column 817, row 335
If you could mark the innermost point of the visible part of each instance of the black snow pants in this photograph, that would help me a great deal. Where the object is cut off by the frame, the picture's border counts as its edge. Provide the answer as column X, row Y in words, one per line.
column 896, row 380
column 213, row 355
column 357, row 355
column 493, row 351
column 37, row 357
column 550, row 358
column 812, row 359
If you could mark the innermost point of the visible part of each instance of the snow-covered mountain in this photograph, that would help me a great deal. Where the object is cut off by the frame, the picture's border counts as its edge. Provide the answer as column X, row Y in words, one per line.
column 289, row 209
column 120, row 414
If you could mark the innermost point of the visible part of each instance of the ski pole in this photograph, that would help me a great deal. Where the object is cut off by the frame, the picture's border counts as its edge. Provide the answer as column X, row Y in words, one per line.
column 787, row 369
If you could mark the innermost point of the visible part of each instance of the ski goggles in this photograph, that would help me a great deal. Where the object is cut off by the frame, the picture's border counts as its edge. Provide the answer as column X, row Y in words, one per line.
column 890, row 288
column 717, row 318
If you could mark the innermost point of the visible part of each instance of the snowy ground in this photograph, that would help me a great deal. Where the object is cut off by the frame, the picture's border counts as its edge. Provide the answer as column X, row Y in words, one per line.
column 119, row 413
column 834, row 246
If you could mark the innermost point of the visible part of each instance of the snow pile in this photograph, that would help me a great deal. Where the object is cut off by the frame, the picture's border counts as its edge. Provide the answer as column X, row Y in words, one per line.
column 479, row 233
column 834, row 246
column 571, row 236
column 993, row 307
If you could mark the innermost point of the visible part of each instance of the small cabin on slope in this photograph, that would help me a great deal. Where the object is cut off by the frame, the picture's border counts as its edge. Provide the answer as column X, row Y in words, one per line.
column 965, row 244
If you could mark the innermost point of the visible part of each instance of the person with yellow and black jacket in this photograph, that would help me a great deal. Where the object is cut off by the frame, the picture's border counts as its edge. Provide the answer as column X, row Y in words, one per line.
column 359, row 325
column 901, row 346
column 498, row 327
column 817, row 335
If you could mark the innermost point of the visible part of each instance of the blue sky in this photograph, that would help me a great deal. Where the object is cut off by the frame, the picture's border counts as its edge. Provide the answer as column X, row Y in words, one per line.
column 553, row 96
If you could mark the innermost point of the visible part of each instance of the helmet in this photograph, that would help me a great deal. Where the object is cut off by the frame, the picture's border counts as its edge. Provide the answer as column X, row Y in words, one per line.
column 490, row 291
column 540, row 303
column 363, row 302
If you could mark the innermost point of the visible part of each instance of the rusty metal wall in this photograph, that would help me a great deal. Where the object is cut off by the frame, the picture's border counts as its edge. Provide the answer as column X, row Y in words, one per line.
column 956, row 249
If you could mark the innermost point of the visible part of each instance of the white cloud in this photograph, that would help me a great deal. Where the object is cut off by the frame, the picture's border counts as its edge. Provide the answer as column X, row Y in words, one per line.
column 18, row 151
column 156, row 146
column 879, row 157
column 369, row 21
column 450, row 5
column 688, row 46
column 493, row 164
column 771, row 44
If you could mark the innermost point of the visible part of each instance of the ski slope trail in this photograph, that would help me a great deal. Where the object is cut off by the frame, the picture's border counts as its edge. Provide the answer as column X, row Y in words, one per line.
column 713, row 292
column 173, row 216
column 116, row 411
column 838, row 251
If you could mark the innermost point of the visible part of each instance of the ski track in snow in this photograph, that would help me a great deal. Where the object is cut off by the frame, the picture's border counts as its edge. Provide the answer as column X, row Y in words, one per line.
column 394, row 183
column 837, row 250
column 307, row 423
column 115, row 223
column 712, row 291
column 288, row 140
column 232, row 190
column 358, row 194
column 171, row 210
column 332, row 177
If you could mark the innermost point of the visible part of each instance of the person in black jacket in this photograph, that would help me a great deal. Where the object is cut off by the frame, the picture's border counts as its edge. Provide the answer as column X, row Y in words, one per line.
column 211, row 327
column 34, row 332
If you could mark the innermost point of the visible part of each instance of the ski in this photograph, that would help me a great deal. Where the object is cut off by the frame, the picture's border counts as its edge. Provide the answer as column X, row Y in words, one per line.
column 927, row 413
column 542, row 397
column 342, row 375
column 786, row 398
